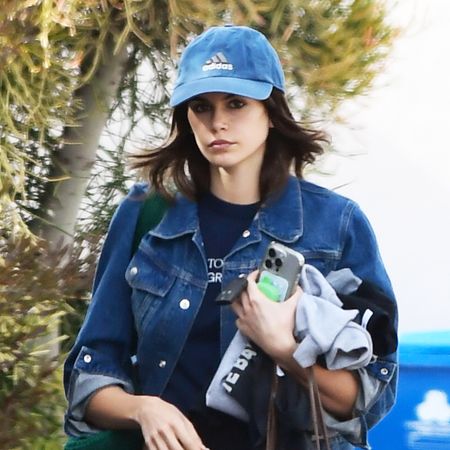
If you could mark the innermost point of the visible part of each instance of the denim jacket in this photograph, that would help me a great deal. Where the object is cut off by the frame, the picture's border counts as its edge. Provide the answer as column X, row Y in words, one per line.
column 144, row 305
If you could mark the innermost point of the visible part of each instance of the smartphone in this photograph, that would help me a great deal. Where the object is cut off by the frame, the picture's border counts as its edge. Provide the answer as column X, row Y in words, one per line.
column 279, row 271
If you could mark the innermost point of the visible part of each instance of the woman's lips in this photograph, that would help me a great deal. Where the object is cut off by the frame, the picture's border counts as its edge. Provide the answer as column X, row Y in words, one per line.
column 220, row 144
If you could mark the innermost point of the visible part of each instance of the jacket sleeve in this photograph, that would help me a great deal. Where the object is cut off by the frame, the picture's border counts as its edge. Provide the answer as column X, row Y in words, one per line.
column 379, row 379
column 102, row 353
column 360, row 253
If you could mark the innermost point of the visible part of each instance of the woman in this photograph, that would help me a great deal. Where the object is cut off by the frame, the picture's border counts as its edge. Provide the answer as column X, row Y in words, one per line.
column 233, row 142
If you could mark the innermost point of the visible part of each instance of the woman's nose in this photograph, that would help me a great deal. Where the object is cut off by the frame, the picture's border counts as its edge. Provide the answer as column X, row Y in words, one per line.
column 219, row 119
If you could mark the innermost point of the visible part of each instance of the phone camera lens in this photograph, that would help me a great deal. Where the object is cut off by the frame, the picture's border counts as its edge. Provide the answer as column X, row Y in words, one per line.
column 278, row 262
column 272, row 253
column 268, row 263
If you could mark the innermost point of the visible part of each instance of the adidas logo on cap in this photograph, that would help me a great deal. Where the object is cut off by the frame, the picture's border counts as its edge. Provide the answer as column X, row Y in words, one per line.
column 217, row 62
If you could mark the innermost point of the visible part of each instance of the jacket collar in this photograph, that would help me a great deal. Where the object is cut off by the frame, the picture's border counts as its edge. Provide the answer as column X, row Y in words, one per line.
column 181, row 218
column 280, row 217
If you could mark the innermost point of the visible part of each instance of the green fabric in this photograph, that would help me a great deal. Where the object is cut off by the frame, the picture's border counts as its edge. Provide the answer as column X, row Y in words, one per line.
column 152, row 212
column 107, row 440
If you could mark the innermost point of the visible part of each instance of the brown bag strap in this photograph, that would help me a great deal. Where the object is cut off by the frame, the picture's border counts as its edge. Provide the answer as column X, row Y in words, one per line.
column 317, row 415
column 271, row 435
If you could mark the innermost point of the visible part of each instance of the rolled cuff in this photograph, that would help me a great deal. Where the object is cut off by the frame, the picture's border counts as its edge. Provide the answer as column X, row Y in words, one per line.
column 83, row 388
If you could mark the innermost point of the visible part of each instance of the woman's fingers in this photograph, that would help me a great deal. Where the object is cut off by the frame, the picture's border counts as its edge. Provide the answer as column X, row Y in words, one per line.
column 268, row 324
column 189, row 438
column 165, row 427
column 158, row 443
column 253, row 275
column 178, row 437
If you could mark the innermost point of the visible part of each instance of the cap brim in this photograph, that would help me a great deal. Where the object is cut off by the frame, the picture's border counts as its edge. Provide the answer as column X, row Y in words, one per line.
column 258, row 90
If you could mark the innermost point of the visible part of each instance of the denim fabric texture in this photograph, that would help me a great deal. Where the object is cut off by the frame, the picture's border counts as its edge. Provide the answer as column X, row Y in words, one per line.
column 144, row 305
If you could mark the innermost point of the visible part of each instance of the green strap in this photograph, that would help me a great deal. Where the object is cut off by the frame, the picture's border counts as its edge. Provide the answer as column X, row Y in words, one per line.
column 107, row 440
column 152, row 211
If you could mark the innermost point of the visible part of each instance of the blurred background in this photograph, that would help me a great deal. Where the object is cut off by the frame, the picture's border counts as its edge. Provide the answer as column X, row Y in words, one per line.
column 395, row 161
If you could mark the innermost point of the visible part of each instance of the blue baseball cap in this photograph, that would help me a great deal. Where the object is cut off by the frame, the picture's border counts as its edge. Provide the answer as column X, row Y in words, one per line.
column 233, row 59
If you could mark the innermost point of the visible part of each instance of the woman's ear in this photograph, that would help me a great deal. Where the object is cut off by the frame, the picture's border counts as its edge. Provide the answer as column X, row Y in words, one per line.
column 271, row 123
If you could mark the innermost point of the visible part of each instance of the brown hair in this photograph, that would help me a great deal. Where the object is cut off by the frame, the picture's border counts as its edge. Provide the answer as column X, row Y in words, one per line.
column 179, row 163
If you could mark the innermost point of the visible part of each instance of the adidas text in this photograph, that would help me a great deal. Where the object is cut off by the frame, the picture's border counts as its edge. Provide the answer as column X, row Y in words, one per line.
column 217, row 66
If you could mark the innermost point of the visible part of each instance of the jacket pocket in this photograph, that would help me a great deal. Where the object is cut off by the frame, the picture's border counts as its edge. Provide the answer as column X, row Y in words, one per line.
column 323, row 260
column 150, row 281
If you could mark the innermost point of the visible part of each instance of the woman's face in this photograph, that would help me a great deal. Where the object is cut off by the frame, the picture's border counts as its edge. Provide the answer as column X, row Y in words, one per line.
column 230, row 130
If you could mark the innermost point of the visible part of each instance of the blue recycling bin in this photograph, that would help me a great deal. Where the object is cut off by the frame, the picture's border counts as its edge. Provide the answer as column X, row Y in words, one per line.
column 420, row 420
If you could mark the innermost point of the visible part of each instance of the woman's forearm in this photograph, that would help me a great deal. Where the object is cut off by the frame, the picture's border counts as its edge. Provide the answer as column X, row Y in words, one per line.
column 268, row 324
column 112, row 408
column 163, row 426
column 338, row 388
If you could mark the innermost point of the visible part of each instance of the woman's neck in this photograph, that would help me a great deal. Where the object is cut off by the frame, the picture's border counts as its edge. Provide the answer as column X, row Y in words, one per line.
column 234, row 187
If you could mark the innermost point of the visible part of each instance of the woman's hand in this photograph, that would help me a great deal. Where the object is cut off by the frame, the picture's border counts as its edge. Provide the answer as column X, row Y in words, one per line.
column 270, row 325
column 164, row 427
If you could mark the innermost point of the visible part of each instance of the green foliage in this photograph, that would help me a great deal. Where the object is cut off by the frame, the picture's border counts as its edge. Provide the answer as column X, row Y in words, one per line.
column 335, row 48
column 34, row 288
column 332, row 49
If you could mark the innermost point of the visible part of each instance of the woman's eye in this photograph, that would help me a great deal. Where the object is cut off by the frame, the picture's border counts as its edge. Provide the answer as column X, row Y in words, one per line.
column 236, row 103
column 199, row 107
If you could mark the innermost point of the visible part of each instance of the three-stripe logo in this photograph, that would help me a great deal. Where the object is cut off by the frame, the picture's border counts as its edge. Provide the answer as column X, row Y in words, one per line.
column 217, row 62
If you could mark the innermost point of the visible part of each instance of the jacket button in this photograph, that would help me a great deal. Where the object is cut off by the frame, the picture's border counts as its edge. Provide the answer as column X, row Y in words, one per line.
column 162, row 364
column 87, row 359
column 246, row 233
column 384, row 371
column 185, row 303
column 133, row 271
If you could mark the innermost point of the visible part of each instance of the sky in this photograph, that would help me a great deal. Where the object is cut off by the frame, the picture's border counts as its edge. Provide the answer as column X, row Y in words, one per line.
column 396, row 162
